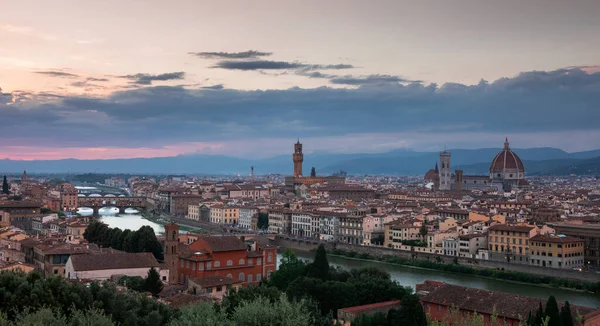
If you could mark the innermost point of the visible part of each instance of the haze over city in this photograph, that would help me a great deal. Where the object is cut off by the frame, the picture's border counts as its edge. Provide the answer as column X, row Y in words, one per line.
column 86, row 80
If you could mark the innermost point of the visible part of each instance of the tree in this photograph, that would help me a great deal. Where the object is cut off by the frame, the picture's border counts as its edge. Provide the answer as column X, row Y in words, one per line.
column 566, row 319
column 539, row 315
column 263, row 221
column 261, row 312
column 289, row 269
column 202, row 314
column 319, row 268
column 377, row 319
column 5, row 188
column 235, row 297
column 313, row 172
column 152, row 283
column 378, row 240
column 423, row 229
column 410, row 313
column 552, row 311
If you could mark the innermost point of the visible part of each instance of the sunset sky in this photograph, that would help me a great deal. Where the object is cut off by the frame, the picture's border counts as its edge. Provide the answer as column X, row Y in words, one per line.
column 120, row 79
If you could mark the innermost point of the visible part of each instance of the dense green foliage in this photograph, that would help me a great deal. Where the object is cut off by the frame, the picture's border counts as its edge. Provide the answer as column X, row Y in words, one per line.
column 255, row 312
column 319, row 268
column 551, row 316
column 142, row 240
column 457, row 268
column 152, row 283
column 23, row 294
column 332, row 289
column 410, row 313
column 414, row 243
column 263, row 221
column 5, row 188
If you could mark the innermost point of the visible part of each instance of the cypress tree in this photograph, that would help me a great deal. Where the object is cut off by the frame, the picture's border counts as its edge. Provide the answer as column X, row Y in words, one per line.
column 320, row 266
column 5, row 189
column 552, row 312
column 152, row 283
column 539, row 315
column 566, row 319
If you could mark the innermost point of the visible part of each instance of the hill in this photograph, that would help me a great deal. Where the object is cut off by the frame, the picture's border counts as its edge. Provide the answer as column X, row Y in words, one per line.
column 537, row 161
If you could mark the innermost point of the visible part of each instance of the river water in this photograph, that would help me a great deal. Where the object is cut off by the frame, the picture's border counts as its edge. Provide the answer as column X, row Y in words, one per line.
column 129, row 221
column 406, row 276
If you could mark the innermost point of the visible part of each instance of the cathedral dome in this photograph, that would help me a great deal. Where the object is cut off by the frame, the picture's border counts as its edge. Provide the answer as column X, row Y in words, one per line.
column 507, row 164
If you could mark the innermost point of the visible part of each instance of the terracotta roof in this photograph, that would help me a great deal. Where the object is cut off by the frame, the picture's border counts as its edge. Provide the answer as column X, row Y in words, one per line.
column 214, row 281
column 358, row 309
column 555, row 238
column 224, row 243
column 506, row 159
column 483, row 301
column 19, row 204
column 516, row 228
column 113, row 261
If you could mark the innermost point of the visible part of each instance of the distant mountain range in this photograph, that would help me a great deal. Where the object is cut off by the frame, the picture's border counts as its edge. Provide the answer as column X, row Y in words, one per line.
column 537, row 161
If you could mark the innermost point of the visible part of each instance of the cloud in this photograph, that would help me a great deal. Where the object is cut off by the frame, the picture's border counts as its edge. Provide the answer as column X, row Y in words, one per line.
column 538, row 104
column 97, row 79
column 368, row 80
column 147, row 79
column 275, row 65
column 231, row 55
column 5, row 98
column 214, row 87
column 59, row 74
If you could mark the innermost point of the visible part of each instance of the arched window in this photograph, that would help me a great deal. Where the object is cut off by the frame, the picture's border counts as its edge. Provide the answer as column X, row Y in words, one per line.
column 242, row 262
column 229, row 263
column 242, row 277
column 217, row 264
column 270, row 258
column 229, row 275
column 174, row 236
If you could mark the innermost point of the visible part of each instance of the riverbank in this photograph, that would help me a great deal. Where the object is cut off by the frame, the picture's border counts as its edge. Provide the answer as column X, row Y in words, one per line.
column 553, row 282
column 162, row 220
column 428, row 260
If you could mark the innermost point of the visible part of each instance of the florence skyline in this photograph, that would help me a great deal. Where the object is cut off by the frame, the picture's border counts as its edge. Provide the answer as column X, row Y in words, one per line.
column 228, row 78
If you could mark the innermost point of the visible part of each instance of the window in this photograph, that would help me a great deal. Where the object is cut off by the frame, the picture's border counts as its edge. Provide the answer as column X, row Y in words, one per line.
column 219, row 288
column 241, row 277
column 229, row 275
column 258, row 277
column 242, row 262
column 270, row 258
column 217, row 264
column 164, row 278
column 229, row 263
column 181, row 263
column 55, row 271
column 249, row 278
column 193, row 266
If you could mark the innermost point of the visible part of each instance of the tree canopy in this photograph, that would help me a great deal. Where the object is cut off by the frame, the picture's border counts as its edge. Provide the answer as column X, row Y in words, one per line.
column 142, row 240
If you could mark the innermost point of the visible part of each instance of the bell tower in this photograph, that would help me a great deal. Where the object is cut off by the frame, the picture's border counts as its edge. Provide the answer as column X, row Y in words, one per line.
column 298, row 158
column 445, row 183
column 171, row 252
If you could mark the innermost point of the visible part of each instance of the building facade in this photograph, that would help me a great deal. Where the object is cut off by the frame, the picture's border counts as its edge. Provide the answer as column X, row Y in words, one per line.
column 557, row 251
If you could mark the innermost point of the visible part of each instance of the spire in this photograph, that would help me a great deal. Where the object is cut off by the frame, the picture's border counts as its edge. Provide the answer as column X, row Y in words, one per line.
column 506, row 146
column 298, row 140
column 436, row 168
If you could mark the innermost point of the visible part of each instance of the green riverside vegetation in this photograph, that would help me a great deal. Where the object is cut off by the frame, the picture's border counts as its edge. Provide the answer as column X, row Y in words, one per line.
column 456, row 268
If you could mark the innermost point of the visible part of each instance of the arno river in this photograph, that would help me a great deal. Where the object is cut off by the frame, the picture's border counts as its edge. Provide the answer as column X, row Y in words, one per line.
column 405, row 275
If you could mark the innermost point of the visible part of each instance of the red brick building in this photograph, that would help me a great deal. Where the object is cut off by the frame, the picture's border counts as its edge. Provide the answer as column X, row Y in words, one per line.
column 226, row 256
column 438, row 298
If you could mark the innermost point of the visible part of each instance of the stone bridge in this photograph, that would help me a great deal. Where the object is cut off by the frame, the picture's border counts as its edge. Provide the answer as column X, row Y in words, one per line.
column 121, row 203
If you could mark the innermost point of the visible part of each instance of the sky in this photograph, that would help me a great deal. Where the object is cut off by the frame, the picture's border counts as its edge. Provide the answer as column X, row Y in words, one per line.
column 123, row 79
